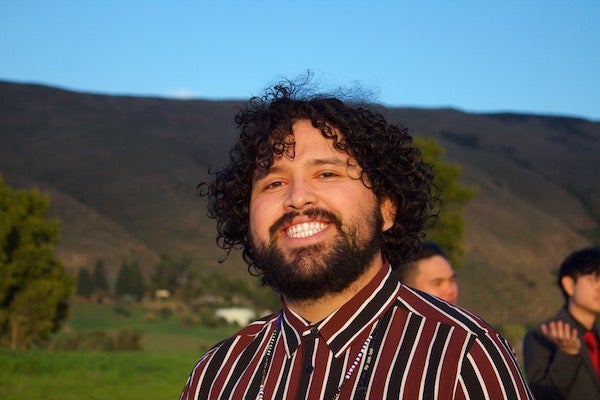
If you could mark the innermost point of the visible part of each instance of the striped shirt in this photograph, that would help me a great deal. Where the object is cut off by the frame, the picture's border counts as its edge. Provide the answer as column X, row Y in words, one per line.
column 388, row 342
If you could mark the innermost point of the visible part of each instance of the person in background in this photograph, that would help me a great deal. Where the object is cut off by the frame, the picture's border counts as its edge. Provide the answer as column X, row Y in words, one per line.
column 561, row 355
column 324, row 198
column 431, row 272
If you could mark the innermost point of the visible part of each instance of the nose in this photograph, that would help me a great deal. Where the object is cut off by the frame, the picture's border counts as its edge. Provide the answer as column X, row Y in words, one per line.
column 300, row 194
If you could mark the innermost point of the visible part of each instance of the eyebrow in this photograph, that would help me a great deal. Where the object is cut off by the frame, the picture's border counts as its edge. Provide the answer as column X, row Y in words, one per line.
column 329, row 161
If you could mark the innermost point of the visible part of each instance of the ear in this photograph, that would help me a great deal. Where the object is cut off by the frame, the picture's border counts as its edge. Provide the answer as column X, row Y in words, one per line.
column 388, row 212
column 568, row 285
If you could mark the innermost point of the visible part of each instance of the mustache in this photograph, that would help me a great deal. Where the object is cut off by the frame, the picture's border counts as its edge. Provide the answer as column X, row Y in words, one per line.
column 312, row 213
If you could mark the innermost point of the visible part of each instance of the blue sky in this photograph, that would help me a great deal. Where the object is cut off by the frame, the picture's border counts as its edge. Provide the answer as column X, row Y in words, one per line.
column 525, row 56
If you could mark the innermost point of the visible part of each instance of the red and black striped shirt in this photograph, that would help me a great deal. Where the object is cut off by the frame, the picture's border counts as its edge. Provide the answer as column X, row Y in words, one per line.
column 404, row 344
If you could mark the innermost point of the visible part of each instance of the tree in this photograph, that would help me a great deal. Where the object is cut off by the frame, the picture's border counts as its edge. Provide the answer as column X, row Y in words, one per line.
column 34, row 286
column 449, row 228
column 85, row 285
column 130, row 281
column 170, row 274
column 99, row 279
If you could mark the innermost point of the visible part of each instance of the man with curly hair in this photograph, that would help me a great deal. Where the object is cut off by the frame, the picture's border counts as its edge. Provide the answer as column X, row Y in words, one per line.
column 325, row 198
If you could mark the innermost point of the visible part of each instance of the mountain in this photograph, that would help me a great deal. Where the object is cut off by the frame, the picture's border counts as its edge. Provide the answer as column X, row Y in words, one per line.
column 122, row 171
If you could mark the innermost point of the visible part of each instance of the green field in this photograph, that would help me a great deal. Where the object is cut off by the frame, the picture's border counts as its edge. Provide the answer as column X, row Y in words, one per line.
column 158, row 372
column 93, row 375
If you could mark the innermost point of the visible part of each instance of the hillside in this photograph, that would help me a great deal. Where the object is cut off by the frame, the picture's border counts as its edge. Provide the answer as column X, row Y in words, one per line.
column 122, row 172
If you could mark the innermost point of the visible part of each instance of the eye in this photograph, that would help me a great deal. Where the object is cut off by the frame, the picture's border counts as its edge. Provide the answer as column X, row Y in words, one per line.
column 328, row 174
column 273, row 185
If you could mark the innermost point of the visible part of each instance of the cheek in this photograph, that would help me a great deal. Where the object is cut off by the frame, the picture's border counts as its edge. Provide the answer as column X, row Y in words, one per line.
column 253, row 233
column 582, row 296
column 262, row 214
column 255, row 218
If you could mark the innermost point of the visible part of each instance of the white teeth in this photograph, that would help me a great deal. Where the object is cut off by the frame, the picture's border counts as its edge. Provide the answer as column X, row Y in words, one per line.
column 305, row 229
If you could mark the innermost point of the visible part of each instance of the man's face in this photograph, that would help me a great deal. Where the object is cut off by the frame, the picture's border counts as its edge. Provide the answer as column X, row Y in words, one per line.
column 584, row 293
column 314, row 226
column 436, row 276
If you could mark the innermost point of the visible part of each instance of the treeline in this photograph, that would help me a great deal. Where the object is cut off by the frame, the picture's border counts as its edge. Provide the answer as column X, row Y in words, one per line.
column 172, row 279
column 94, row 285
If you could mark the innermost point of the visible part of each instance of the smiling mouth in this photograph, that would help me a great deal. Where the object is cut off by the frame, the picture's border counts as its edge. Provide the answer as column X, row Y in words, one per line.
column 305, row 229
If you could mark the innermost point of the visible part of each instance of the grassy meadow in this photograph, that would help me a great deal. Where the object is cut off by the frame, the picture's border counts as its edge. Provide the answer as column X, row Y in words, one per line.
column 63, row 375
column 159, row 371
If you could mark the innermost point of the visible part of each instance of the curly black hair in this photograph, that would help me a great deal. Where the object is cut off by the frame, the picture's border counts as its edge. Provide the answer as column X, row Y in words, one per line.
column 391, row 166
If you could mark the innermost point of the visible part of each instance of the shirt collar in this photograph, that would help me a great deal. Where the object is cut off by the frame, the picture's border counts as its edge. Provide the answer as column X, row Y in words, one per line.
column 342, row 326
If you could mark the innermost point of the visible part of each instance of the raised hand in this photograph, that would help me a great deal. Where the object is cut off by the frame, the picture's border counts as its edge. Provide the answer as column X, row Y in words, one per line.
column 566, row 338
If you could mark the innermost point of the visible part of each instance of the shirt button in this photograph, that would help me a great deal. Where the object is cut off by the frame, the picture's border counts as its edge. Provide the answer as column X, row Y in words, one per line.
column 314, row 330
column 308, row 369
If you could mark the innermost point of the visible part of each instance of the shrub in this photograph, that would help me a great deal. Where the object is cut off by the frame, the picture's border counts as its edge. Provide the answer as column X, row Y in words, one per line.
column 98, row 340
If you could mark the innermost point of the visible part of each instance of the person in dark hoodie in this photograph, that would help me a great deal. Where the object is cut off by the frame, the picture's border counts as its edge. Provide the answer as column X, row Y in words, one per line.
column 561, row 355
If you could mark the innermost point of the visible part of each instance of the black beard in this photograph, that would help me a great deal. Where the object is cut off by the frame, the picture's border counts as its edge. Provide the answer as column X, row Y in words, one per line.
column 315, row 271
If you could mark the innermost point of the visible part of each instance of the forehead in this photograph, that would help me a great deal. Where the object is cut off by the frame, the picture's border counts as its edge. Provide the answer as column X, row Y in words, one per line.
column 435, row 265
column 305, row 141
column 589, row 275
column 306, row 146
column 308, row 139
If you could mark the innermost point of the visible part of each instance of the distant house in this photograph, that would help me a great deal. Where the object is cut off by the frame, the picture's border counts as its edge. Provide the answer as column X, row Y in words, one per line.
column 162, row 294
column 236, row 315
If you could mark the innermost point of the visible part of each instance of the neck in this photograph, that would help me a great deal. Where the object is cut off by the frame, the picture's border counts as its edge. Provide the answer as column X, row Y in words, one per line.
column 318, row 309
column 583, row 316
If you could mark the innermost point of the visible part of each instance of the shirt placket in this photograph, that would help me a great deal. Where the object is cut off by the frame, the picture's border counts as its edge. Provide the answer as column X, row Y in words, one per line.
column 308, row 348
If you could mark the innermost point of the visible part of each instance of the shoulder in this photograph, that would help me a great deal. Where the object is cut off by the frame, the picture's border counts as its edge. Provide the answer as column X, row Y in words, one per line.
column 480, row 336
column 487, row 361
column 242, row 337
column 219, row 357
column 257, row 326
column 437, row 310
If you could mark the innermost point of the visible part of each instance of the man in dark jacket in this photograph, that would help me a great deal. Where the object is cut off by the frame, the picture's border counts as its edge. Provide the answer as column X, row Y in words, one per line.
column 561, row 355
